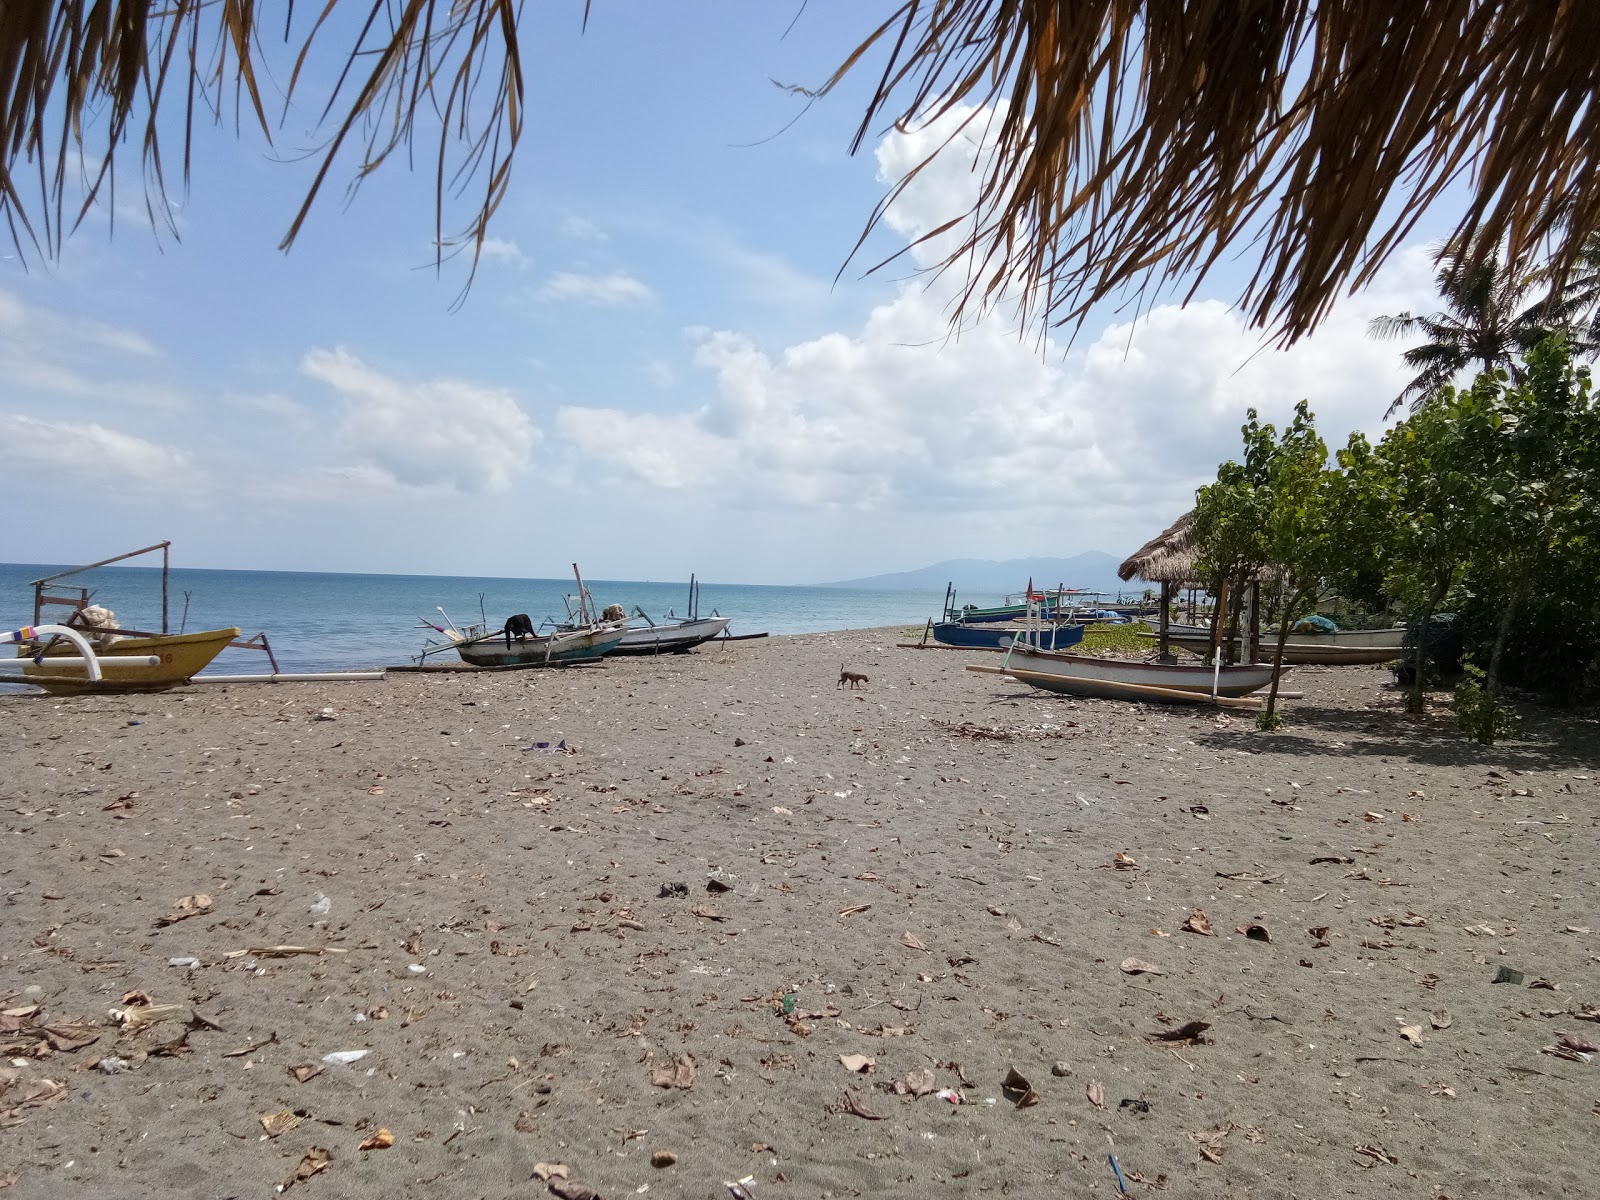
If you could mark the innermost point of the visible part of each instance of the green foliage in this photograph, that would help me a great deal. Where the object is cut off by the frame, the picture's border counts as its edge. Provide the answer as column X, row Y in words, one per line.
column 1481, row 715
column 1101, row 637
column 1268, row 720
column 1284, row 514
column 1492, row 496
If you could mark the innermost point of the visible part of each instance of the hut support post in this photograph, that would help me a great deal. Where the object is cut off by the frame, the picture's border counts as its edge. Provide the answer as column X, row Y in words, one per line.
column 1254, row 649
column 1166, row 602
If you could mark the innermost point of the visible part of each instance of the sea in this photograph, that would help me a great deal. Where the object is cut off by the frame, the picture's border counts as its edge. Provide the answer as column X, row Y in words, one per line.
column 321, row 621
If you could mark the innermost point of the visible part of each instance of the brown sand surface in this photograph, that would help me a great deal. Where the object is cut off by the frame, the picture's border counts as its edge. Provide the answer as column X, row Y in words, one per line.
column 934, row 898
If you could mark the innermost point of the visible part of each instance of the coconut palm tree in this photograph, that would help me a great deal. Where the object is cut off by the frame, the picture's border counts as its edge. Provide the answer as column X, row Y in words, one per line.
column 1488, row 321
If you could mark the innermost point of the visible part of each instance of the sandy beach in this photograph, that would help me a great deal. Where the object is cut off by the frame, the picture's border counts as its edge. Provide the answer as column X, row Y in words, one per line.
column 739, row 881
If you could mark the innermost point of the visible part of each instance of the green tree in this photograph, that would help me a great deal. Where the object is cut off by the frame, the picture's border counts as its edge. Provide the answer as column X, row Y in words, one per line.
column 1229, row 523
column 1424, row 484
column 1300, row 533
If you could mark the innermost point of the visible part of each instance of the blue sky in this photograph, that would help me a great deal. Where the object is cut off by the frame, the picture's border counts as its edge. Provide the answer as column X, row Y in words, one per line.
column 654, row 372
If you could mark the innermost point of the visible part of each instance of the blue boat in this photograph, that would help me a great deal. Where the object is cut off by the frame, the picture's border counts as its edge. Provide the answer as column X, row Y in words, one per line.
column 998, row 637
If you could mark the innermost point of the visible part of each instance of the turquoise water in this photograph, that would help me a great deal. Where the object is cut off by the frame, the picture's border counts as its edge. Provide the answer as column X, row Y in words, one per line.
column 323, row 622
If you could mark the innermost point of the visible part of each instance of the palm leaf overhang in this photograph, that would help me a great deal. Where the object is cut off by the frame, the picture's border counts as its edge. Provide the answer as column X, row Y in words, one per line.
column 84, row 81
column 1141, row 140
column 1138, row 141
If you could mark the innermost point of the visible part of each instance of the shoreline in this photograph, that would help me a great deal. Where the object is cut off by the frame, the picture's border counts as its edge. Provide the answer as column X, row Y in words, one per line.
column 927, row 864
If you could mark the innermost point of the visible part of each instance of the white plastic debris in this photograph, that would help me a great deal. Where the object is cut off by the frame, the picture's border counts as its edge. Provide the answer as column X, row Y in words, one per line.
column 417, row 969
column 112, row 1065
column 187, row 963
column 322, row 907
column 343, row 1058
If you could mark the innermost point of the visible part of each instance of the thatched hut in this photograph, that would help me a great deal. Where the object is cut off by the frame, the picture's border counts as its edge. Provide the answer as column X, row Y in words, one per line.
column 1167, row 559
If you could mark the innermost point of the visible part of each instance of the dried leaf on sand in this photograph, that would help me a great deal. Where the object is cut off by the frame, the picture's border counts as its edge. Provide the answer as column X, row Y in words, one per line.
column 568, row 1190
column 1441, row 1019
column 1198, row 922
column 548, row 1171
column 1096, row 1091
column 1255, row 932
column 850, row 1103
column 915, row 1084
column 912, row 941
column 1191, row 1032
column 859, row 1063
column 1018, row 1090
column 679, row 1075
column 382, row 1140
column 275, row 1124
column 1210, row 1143
column 1137, row 966
column 316, row 1160
column 1571, row 1047
column 186, row 907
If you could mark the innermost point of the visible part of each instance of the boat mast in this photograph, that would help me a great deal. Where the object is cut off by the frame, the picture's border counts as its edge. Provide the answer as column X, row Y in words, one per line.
column 583, row 603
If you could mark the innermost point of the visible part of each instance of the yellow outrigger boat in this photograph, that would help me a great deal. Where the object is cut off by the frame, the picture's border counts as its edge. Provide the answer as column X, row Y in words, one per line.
column 182, row 656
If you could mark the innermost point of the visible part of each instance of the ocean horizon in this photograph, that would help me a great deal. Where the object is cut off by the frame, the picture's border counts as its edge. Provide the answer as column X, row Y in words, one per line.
column 327, row 621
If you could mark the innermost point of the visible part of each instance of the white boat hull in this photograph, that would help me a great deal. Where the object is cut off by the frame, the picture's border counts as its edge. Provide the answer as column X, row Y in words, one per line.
column 672, row 638
column 1230, row 681
column 1348, row 647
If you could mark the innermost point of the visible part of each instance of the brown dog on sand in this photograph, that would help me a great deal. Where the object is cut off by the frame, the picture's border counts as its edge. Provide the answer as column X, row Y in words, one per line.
column 850, row 677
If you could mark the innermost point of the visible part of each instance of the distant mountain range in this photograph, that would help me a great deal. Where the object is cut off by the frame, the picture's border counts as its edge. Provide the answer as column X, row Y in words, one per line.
column 1093, row 569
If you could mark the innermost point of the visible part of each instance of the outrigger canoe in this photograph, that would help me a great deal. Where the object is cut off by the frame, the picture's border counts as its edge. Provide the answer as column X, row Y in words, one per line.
column 182, row 656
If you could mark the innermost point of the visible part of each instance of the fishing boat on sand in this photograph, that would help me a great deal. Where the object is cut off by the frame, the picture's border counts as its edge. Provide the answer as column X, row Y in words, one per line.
column 130, row 660
column 57, row 666
column 1082, row 674
column 994, row 636
column 1346, row 647
column 674, row 635
column 480, row 647
column 1103, row 688
column 515, row 643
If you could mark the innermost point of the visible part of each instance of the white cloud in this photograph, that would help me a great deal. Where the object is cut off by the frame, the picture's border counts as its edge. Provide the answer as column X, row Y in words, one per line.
column 90, row 453
column 901, row 415
column 363, row 484
column 502, row 250
column 443, row 432
column 584, row 230
column 612, row 290
column 45, row 351
column 291, row 412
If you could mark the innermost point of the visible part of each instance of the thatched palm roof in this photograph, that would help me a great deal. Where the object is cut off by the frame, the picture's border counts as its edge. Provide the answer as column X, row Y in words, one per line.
column 1166, row 558
column 1137, row 142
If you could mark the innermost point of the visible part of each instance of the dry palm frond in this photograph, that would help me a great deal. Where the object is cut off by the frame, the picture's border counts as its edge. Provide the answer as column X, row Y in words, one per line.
column 80, row 79
column 1138, row 140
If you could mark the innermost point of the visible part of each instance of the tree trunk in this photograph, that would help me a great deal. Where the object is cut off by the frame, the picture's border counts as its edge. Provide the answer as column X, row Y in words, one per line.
column 1414, row 702
column 1492, row 682
column 1277, row 654
column 1218, row 607
column 1235, row 607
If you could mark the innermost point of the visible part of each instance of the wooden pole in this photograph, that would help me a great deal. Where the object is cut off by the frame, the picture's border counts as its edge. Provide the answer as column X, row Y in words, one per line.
column 1255, row 620
column 166, row 551
column 1166, row 597
column 583, row 603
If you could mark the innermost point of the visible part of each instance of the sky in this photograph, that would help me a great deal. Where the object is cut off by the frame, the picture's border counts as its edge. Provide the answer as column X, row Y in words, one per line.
column 667, row 363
